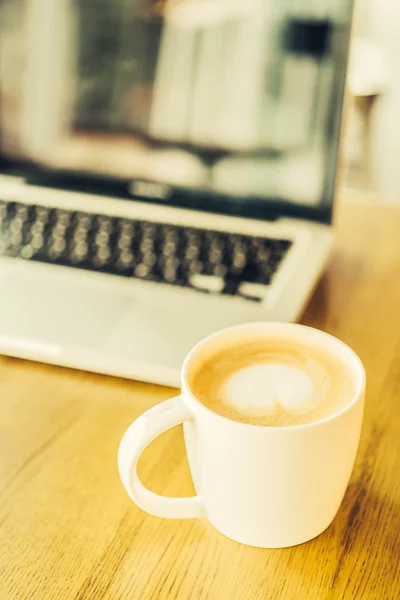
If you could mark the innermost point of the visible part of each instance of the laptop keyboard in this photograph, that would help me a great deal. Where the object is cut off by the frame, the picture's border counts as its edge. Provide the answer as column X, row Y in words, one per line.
column 208, row 261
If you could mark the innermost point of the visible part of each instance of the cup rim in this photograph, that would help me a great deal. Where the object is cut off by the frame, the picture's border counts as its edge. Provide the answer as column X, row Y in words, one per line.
column 357, row 370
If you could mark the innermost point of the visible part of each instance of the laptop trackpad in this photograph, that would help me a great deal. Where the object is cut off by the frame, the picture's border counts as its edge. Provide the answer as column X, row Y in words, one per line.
column 58, row 310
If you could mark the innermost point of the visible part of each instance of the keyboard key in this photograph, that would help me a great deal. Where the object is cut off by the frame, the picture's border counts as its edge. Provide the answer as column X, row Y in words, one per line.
column 253, row 290
column 209, row 283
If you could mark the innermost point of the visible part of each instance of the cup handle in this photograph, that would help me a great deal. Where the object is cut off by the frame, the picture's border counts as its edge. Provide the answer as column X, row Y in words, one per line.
column 137, row 437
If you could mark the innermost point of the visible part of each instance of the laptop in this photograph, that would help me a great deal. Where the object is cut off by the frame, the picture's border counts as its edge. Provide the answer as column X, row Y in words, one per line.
column 167, row 169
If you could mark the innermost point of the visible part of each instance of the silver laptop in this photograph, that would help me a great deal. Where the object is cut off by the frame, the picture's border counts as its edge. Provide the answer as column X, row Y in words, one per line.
column 166, row 169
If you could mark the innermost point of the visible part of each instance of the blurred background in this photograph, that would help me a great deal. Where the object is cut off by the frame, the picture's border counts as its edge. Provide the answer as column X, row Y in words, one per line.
column 372, row 136
column 88, row 101
column 251, row 91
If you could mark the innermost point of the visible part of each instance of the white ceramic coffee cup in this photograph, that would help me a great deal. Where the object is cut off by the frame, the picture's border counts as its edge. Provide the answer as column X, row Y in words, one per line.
column 269, row 487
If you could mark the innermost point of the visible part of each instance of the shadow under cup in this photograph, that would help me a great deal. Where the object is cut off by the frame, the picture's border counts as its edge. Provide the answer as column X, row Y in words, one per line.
column 264, row 486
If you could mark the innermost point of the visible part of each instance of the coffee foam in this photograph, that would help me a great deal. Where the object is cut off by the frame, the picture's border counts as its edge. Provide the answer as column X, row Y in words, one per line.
column 272, row 382
column 264, row 389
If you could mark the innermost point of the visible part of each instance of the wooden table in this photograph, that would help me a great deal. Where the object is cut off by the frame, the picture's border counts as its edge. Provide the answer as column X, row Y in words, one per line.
column 69, row 531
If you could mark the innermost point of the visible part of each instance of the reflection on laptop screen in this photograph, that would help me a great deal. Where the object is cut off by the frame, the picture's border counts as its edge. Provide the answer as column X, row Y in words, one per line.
column 235, row 97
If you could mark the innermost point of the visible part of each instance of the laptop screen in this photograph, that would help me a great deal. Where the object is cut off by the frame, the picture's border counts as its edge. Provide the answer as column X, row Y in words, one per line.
column 226, row 105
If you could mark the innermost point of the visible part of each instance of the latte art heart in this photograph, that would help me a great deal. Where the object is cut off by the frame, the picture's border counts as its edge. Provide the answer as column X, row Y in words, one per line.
column 265, row 389
column 272, row 382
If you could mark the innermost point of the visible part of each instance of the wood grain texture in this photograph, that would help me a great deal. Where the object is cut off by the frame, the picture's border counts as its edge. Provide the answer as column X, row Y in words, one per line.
column 69, row 532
